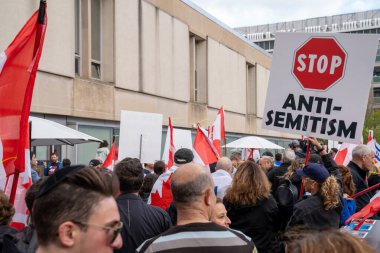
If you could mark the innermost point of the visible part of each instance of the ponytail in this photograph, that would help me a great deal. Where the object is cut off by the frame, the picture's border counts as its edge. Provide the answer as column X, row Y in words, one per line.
column 330, row 193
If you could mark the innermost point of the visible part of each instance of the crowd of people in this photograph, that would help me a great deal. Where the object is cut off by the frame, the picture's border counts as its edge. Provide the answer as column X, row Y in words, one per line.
column 275, row 204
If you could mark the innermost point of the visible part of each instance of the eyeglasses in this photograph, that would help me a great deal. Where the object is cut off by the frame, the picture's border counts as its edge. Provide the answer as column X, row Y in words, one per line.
column 115, row 229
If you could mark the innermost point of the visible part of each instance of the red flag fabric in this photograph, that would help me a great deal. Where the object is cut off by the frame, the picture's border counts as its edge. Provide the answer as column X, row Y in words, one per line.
column 18, row 67
column 204, row 151
column 217, row 132
column 112, row 157
column 370, row 136
column 19, row 183
column 367, row 212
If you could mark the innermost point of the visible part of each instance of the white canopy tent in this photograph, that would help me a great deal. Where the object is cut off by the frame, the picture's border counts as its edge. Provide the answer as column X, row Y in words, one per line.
column 46, row 132
column 253, row 142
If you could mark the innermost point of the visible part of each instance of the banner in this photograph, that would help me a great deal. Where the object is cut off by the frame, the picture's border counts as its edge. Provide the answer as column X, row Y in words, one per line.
column 319, row 84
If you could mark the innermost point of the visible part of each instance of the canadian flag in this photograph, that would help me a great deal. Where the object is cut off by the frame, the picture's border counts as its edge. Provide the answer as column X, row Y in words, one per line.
column 169, row 150
column 19, row 184
column 216, row 131
column 18, row 68
column 344, row 155
column 161, row 195
column 111, row 158
column 204, row 151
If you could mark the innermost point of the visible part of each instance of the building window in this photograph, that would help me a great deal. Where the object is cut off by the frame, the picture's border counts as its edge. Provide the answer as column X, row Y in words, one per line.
column 376, row 95
column 96, row 39
column 77, row 36
column 198, row 64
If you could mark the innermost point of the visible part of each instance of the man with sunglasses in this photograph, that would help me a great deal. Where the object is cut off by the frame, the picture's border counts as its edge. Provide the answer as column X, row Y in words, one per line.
column 75, row 211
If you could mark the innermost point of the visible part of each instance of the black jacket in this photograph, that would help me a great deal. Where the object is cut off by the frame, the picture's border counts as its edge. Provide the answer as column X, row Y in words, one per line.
column 311, row 213
column 359, row 175
column 260, row 222
column 141, row 221
column 275, row 175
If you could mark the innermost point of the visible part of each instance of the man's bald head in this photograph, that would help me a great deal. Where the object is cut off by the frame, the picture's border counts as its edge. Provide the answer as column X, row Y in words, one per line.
column 189, row 183
column 224, row 163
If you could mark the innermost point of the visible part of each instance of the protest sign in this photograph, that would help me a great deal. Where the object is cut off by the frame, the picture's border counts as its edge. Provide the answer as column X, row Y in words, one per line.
column 181, row 138
column 319, row 84
column 140, row 136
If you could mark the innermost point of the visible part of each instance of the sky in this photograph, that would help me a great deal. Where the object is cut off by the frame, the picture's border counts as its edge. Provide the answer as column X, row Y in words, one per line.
column 237, row 13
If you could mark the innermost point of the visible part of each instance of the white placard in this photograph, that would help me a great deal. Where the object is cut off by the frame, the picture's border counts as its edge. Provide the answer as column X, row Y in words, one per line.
column 319, row 84
column 181, row 138
column 140, row 136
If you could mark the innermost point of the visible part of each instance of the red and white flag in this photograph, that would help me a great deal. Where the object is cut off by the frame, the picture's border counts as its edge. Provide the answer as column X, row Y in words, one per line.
column 217, row 132
column 169, row 150
column 18, row 68
column 204, row 151
column 111, row 158
column 344, row 155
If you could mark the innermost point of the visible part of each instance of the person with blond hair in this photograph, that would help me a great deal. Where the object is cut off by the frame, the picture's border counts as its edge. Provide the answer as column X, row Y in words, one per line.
column 323, row 208
column 327, row 241
column 251, row 207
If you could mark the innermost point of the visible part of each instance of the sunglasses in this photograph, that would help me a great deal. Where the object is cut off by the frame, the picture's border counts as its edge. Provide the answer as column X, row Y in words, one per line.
column 114, row 230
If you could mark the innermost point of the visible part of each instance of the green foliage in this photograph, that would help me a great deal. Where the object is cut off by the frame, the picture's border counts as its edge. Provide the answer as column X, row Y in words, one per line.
column 372, row 122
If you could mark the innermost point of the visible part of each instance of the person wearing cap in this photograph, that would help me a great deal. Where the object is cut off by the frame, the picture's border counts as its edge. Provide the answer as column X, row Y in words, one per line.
column 96, row 163
column 323, row 207
column 75, row 211
column 161, row 195
column 295, row 145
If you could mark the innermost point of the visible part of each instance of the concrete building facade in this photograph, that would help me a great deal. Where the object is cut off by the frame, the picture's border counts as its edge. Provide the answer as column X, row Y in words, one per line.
column 168, row 57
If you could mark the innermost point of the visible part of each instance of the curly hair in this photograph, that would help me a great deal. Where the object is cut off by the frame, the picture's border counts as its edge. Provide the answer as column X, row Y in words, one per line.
column 6, row 209
column 348, row 182
column 249, row 185
column 131, row 175
column 327, row 241
column 295, row 165
column 330, row 193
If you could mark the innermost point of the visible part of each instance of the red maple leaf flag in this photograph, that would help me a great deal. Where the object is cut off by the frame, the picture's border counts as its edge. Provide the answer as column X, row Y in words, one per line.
column 18, row 67
column 344, row 155
column 216, row 131
column 112, row 157
column 161, row 195
column 204, row 151
column 169, row 149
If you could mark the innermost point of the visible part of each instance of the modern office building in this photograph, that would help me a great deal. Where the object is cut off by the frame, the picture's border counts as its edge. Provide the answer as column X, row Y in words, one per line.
column 158, row 56
column 359, row 22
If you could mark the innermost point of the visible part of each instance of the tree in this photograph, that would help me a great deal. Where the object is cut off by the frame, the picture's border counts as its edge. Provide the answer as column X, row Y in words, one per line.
column 372, row 122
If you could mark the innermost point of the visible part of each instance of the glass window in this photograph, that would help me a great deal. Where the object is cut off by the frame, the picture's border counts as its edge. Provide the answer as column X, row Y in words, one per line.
column 87, row 151
column 96, row 39
column 376, row 91
column 77, row 37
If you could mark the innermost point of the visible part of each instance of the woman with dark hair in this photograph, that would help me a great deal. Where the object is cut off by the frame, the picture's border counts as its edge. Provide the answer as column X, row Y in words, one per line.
column 219, row 214
column 252, row 209
column 323, row 208
column 348, row 190
column 147, row 186
column 103, row 151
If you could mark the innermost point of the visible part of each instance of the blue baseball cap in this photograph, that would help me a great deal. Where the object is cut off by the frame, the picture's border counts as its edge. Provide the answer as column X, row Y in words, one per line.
column 315, row 171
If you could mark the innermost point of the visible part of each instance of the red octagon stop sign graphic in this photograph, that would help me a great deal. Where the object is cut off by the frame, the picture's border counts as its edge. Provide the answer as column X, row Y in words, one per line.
column 319, row 63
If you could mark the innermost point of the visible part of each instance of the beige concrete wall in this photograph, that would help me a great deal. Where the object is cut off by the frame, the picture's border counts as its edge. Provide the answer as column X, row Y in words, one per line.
column 165, row 55
column 262, row 75
column 58, row 51
column 127, row 44
column 52, row 94
column 226, row 78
